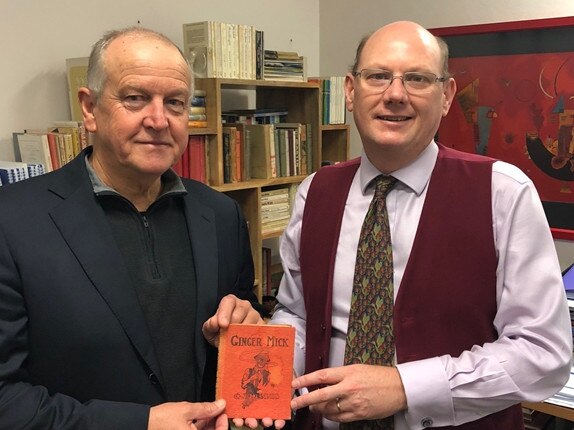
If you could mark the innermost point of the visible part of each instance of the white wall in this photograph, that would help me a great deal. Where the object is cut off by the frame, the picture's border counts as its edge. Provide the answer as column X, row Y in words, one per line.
column 37, row 37
column 344, row 22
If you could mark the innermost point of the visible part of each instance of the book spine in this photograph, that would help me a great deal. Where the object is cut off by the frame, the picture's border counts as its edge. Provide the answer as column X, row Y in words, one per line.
column 259, row 54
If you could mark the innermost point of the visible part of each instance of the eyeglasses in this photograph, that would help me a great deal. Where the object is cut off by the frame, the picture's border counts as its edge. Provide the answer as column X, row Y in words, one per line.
column 415, row 82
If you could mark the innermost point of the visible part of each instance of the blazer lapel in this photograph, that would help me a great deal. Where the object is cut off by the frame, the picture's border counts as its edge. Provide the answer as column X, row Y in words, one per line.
column 84, row 227
column 201, row 226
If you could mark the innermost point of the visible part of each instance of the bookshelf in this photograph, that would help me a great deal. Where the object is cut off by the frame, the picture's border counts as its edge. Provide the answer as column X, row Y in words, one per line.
column 551, row 409
column 302, row 100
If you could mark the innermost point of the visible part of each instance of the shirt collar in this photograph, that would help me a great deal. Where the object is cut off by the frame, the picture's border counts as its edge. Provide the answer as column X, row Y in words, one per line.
column 171, row 182
column 416, row 175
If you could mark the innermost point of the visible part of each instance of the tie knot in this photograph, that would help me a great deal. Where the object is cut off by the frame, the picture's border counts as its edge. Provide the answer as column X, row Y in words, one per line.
column 383, row 184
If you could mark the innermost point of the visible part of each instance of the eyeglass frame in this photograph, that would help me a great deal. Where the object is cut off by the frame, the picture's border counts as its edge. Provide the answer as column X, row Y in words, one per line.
column 359, row 74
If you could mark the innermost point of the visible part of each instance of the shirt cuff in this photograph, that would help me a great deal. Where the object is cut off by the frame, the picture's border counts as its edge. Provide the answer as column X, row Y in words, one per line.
column 429, row 399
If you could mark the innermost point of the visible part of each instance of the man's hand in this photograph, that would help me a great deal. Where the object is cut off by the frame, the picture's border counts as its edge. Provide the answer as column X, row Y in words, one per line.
column 352, row 393
column 252, row 423
column 185, row 416
column 230, row 310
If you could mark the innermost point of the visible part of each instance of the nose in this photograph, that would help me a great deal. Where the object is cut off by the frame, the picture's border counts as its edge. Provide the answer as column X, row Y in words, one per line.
column 155, row 115
column 396, row 90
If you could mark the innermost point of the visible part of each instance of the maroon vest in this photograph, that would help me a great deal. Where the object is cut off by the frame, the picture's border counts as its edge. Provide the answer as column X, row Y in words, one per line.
column 447, row 297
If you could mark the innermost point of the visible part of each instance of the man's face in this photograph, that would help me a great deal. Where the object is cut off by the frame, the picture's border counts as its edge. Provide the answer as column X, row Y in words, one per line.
column 394, row 119
column 140, row 121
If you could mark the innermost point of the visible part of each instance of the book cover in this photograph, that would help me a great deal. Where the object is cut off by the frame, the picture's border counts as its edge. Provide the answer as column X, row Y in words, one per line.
column 33, row 148
column 239, row 158
column 199, row 48
column 197, row 158
column 255, row 369
column 233, row 154
column 259, row 53
column 260, row 141
column 77, row 74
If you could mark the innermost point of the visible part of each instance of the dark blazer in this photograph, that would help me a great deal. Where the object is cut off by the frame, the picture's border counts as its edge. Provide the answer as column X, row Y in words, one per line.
column 75, row 352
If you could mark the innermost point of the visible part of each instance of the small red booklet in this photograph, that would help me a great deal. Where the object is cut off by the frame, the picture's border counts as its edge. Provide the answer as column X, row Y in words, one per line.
column 255, row 370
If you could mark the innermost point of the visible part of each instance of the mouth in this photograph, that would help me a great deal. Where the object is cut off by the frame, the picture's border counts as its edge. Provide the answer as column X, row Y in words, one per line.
column 155, row 143
column 393, row 118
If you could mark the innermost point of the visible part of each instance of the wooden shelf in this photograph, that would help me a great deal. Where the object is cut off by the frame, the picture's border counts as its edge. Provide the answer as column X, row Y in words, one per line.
column 303, row 104
column 258, row 183
column 202, row 131
column 335, row 142
column 551, row 409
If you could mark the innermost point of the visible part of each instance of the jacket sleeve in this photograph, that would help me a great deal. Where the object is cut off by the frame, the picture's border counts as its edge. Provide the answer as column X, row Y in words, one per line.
column 24, row 405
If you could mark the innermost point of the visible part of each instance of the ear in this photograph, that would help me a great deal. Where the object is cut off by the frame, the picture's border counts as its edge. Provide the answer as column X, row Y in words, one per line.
column 88, row 105
column 448, row 95
column 349, row 91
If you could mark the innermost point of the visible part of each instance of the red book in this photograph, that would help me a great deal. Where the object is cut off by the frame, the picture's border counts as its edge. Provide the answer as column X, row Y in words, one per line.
column 255, row 370
column 185, row 163
column 196, row 157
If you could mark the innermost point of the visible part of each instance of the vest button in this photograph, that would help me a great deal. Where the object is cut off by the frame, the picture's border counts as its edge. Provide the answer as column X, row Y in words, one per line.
column 153, row 379
column 426, row 422
column 323, row 327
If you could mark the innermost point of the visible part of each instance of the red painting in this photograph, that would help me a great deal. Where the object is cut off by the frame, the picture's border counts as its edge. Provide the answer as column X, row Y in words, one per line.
column 518, row 106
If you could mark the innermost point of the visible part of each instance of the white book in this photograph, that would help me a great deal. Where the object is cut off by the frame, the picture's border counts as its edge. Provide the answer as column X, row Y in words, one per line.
column 13, row 171
column 199, row 48
column 34, row 148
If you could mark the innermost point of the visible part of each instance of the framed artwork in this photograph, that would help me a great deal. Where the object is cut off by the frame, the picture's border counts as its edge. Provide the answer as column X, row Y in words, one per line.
column 515, row 102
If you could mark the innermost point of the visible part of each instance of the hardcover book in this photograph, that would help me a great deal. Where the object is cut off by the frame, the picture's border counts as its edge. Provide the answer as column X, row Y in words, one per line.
column 255, row 369
column 259, row 142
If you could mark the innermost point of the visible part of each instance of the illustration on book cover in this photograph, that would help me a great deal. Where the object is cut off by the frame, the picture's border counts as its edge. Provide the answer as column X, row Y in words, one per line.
column 255, row 369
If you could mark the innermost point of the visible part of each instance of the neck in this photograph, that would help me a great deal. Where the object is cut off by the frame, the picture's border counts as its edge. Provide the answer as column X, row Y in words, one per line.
column 141, row 192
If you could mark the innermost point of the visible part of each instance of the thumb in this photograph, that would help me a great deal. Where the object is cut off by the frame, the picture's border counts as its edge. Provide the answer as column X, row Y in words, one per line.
column 206, row 410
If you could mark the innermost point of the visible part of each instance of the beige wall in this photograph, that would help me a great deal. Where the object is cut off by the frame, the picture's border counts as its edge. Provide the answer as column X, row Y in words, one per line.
column 37, row 37
column 344, row 22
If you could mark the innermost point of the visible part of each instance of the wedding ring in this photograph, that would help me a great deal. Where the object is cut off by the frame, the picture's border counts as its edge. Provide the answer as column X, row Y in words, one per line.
column 338, row 405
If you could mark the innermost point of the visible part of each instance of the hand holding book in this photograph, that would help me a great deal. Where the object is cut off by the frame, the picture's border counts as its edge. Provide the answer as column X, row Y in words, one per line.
column 231, row 310
column 254, row 373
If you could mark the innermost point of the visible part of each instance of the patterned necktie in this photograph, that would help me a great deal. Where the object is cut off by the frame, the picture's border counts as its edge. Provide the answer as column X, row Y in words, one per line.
column 370, row 337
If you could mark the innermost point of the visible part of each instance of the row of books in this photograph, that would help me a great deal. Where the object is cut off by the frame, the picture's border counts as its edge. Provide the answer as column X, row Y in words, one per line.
column 53, row 147
column 197, row 117
column 332, row 99
column 284, row 66
column 15, row 171
column 222, row 50
column 275, row 210
column 255, row 116
column 236, row 51
column 265, row 151
column 193, row 163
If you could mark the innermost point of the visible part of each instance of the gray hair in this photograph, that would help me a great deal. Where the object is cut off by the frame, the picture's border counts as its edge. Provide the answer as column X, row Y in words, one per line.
column 97, row 73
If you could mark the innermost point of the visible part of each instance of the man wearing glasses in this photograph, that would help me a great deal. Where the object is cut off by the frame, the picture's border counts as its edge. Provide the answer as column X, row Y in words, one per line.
column 476, row 319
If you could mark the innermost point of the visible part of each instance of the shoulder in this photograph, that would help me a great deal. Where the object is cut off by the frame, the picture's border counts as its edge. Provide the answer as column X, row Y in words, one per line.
column 205, row 193
column 447, row 153
column 503, row 170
